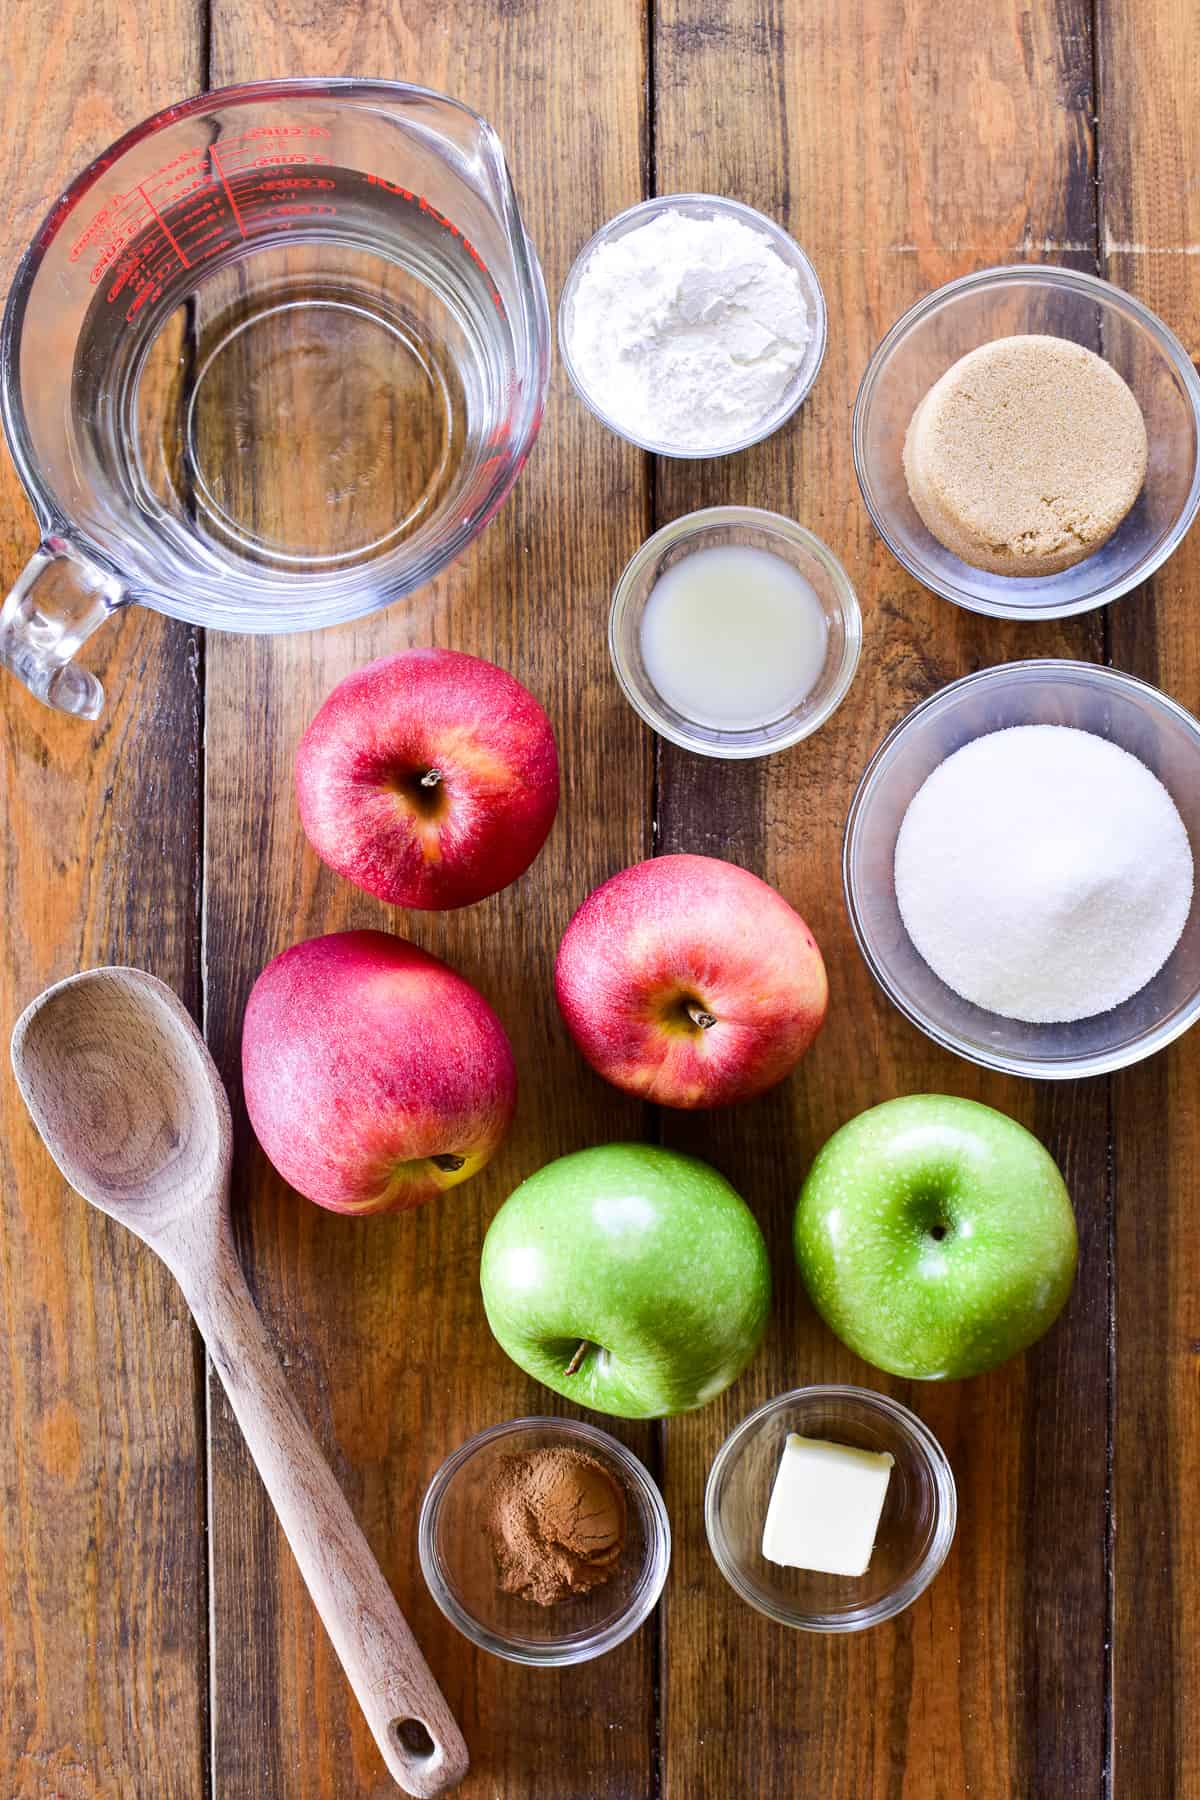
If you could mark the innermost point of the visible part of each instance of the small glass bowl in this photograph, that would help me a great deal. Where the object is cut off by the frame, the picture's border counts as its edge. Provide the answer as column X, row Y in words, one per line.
column 703, row 530
column 1006, row 302
column 1046, row 692
column 916, row 1527
column 460, row 1569
column 703, row 206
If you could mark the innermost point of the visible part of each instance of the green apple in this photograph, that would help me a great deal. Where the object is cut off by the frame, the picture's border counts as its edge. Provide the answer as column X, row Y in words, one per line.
column 935, row 1237
column 631, row 1279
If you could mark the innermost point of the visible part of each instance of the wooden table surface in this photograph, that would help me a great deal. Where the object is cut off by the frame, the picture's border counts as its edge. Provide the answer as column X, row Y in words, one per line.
column 155, row 1642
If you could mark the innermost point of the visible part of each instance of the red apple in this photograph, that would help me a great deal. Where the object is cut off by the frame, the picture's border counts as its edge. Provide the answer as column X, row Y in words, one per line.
column 375, row 1076
column 429, row 779
column 690, row 982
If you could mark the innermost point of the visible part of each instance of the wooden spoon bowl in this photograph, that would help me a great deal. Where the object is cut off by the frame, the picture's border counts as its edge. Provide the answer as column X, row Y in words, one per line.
column 136, row 1120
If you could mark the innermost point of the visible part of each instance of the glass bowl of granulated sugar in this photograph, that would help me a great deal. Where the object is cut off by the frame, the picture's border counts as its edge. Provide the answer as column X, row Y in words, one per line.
column 692, row 326
column 1019, row 868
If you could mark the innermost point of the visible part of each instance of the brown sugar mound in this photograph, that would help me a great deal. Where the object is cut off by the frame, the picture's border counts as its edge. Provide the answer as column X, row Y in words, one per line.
column 1026, row 455
column 557, row 1524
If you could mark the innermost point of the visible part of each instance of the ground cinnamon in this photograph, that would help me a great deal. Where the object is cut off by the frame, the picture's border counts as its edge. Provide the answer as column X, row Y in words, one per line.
column 556, row 1518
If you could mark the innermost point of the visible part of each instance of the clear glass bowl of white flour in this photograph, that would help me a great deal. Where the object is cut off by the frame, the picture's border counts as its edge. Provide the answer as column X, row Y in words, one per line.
column 692, row 326
column 1111, row 705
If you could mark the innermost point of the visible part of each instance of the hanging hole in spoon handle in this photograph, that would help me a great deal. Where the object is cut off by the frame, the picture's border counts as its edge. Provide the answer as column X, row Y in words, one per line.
column 412, row 1737
column 422, row 1760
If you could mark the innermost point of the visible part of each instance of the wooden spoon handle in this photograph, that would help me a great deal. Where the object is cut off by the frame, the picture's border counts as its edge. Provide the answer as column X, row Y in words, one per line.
column 413, row 1726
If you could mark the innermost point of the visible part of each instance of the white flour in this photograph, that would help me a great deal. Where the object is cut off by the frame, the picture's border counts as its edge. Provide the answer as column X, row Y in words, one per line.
column 1044, row 873
column 687, row 331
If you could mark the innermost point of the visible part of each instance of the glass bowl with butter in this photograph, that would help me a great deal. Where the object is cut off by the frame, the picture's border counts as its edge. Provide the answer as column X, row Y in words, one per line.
column 830, row 1508
column 544, row 1541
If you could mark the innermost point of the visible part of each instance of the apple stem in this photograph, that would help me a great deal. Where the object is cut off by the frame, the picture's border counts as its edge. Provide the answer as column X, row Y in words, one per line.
column 698, row 1016
column 448, row 1163
column 431, row 778
column 582, row 1350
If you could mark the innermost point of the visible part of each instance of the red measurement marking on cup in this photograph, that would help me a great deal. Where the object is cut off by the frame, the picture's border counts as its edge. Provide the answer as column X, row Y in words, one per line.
column 439, row 218
column 196, row 173
column 166, row 228
column 268, row 179
column 212, row 153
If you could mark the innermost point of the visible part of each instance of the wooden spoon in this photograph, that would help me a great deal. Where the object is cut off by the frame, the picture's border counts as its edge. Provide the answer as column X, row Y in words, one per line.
column 129, row 1104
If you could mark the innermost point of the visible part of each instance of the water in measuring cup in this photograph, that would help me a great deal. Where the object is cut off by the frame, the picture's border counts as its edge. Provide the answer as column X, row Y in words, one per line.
column 307, row 401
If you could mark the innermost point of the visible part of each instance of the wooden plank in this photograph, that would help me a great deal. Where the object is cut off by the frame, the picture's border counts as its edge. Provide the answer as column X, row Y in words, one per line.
column 103, row 1670
column 380, row 1321
column 902, row 145
column 1150, row 219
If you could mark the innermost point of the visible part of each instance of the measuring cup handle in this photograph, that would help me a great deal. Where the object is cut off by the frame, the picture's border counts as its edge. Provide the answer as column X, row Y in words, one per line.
column 58, row 600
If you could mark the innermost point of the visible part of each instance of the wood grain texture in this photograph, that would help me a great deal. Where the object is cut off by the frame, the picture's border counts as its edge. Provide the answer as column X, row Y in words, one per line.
column 379, row 1321
column 1150, row 241
column 103, row 1667
column 902, row 145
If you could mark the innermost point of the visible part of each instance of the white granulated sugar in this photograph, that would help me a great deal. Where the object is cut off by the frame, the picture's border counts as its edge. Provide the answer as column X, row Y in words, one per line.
column 686, row 331
column 1044, row 873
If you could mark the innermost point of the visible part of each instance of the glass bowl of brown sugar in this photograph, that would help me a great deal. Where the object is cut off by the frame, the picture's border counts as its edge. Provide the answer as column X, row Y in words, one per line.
column 544, row 1541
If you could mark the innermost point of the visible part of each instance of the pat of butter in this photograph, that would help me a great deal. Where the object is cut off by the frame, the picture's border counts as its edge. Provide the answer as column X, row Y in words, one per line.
column 825, row 1506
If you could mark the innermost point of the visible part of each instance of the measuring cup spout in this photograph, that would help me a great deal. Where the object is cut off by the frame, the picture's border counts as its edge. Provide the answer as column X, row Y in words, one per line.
column 58, row 600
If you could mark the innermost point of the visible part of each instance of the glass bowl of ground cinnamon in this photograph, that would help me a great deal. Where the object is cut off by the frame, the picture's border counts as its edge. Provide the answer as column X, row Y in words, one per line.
column 544, row 1540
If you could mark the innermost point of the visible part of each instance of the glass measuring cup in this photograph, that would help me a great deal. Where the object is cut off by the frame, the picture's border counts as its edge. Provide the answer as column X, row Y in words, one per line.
column 271, row 362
